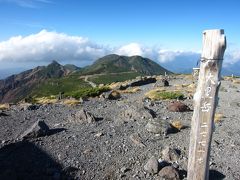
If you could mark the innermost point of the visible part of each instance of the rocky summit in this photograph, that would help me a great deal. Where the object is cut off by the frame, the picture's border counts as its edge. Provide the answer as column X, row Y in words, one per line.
column 129, row 137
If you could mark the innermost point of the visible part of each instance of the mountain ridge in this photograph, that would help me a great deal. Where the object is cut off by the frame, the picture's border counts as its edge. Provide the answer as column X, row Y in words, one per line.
column 22, row 85
column 18, row 86
column 113, row 63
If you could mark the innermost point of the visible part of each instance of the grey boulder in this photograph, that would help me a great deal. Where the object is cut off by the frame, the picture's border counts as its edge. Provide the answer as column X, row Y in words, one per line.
column 38, row 129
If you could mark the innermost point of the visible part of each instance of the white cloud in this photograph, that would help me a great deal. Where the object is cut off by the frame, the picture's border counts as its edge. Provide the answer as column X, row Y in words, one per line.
column 46, row 46
column 168, row 55
column 231, row 57
column 130, row 50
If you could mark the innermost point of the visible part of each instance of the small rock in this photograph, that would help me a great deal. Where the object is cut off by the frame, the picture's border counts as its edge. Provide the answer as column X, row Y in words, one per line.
column 158, row 127
column 82, row 116
column 177, row 124
column 28, row 106
column 165, row 82
column 33, row 107
column 98, row 134
column 150, row 111
column 137, row 140
column 114, row 95
column 169, row 173
column 175, row 165
column 135, row 113
column 178, row 107
column 38, row 129
column 123, row 86
column 124, row 169
column 152, row 166
column 170, row 155
column 81, row 100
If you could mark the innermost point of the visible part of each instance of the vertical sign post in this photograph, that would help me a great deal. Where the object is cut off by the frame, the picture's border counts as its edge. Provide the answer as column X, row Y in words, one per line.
column 205, row 102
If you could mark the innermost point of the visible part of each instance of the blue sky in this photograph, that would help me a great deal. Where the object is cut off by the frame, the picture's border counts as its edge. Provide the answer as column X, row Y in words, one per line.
column 155, row 25
column 171, row 23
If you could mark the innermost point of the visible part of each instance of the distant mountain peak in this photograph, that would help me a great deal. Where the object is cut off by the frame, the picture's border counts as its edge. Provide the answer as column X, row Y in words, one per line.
column 16, row 87
column 54, row 62
column 114, row 63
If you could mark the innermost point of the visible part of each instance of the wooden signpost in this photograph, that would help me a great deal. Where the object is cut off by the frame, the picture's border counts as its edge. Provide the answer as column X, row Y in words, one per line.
column 205, row 102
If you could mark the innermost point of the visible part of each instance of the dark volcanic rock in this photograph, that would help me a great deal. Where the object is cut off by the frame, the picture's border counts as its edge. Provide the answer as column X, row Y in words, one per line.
column 38, row 129
column 143, row 81
column 165, row 82
column 178, row 107
column 32, row 107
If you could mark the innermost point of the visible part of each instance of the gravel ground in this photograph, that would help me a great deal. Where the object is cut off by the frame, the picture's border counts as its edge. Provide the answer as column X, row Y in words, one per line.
column 104, row 149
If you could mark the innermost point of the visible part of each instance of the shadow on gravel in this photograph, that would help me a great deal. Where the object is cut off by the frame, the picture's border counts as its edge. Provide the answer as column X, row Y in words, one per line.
column 24, row 160
column 3, row 114
column 55, row 131
column 98, row 119
column 216, row 175
column 182, row 174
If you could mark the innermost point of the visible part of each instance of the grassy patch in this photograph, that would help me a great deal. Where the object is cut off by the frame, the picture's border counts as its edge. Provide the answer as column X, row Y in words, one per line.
column 110, row 78
column 46, row 100
column 4, row 106
column 159, row 94
column 218, row 117
column 55, row 86
column 71, row 102
column 236, row 81
column 131, row 90
column 88, row 92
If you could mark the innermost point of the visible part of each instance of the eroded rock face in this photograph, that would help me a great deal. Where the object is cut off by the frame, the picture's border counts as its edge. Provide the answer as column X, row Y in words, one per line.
column 38, row 129
column 177, row 106
column 82, row 116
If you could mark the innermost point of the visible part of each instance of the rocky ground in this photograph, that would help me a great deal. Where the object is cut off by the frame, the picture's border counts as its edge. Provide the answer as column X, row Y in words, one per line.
column 116, row 144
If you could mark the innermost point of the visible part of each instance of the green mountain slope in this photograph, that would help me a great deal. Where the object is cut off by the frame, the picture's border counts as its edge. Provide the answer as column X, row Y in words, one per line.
column 17, row 87
column 55, row 78
column 115, row 64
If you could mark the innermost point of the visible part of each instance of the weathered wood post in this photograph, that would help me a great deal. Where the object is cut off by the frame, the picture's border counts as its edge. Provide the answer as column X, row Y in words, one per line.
column 205, row 102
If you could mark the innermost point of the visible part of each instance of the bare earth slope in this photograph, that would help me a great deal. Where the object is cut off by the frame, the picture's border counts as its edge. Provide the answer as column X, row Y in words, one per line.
column 115, row 146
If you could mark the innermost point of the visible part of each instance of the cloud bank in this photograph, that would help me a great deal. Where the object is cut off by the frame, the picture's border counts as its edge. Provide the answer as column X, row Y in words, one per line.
column 46, row 46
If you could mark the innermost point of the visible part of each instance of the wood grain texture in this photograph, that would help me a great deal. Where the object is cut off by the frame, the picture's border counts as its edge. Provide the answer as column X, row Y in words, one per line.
column 205, row 101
